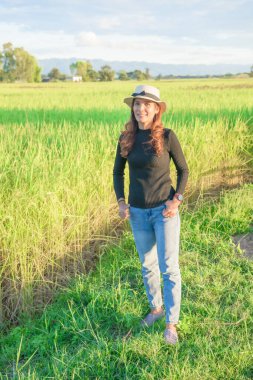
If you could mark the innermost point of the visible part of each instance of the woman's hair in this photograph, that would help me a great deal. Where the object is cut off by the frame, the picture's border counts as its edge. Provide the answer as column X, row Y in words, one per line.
column 128, row 135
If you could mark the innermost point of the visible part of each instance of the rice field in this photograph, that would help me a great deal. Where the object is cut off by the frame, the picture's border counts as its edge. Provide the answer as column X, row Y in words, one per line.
column 57, row 147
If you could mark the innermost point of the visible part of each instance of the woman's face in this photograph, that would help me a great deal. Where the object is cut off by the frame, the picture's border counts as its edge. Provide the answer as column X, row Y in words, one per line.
column 145, row 110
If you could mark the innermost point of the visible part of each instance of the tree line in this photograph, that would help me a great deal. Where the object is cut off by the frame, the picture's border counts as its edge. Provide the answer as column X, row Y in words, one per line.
column 85, row 70
column 16, row 64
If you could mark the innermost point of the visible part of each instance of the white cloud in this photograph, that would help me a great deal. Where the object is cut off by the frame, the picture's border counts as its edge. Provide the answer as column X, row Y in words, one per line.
column 129, row 22
column 164, row 50
column 205, row 6
column 150, row 48
column 41, row 44
column 136, row 44
column 227, row 35
column 200, row 12
column 108, row 22
column 87, row 39
column 189, row 40
column 229, row 5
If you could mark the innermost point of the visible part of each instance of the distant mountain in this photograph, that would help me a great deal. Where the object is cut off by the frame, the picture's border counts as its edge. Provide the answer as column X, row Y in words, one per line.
column 154, row 68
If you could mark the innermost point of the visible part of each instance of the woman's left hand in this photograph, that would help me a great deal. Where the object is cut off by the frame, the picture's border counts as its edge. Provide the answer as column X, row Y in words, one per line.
column 171, row 209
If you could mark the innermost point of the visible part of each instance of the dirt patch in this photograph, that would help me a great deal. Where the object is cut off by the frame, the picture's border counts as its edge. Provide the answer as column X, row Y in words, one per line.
column 245, row 243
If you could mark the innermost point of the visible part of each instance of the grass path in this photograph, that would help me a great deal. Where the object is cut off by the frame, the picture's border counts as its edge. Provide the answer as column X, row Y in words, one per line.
column 91, row 331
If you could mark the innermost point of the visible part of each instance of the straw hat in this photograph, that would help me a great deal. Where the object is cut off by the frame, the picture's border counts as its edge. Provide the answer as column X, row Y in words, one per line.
column 146, row 92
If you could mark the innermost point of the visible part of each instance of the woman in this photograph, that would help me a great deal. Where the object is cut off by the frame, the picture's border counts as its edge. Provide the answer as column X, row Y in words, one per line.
column 153, row 202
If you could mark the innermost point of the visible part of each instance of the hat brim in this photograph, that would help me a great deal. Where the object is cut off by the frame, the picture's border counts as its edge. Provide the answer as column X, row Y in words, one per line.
column 129, row 101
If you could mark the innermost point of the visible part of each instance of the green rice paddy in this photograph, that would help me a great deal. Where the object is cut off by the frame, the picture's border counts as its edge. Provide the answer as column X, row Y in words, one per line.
column 58, row 215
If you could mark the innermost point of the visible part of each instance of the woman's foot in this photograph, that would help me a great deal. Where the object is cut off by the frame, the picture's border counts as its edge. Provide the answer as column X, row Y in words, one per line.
column 153, row 316
column 170, row 333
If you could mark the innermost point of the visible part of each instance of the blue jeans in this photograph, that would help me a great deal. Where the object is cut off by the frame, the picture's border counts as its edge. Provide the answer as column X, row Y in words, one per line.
column 157, row 242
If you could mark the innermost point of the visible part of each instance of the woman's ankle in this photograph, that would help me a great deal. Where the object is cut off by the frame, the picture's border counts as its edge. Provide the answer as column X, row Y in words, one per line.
column 171, row 326
column 157, row 310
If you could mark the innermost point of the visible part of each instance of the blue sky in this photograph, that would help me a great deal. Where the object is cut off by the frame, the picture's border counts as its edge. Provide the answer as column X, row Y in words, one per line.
column 164, row 31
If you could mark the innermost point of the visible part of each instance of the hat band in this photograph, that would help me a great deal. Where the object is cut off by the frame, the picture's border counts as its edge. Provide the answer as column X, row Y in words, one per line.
column 144, row 93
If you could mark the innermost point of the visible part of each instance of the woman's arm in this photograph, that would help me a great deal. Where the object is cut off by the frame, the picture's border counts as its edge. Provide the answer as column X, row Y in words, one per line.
column 175, row 151
column 118, row 174
column 178, row 158
column 118, row 182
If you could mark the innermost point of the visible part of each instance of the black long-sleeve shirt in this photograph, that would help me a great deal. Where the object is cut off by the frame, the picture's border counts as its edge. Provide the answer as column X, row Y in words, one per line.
column 150, row 182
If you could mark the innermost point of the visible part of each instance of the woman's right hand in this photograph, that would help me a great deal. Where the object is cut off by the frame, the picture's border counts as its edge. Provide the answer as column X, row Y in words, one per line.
column 123, row 210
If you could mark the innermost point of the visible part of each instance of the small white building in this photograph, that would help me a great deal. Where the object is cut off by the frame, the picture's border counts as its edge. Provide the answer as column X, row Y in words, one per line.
column 77, row 78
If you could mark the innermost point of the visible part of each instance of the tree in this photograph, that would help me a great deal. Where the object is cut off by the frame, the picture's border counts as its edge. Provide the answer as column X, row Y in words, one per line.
column 123, row 75
column 26, row 68
column 55, row 74
column 37, row 74
column 228, row 75
column 106, row 73
column 147, row 73
column 137, row 74
column 251, row 71
column 18, row 64
column 8, row 62
column 92, row 75
column 82, row 68
column 158, row 77
column 85, row 70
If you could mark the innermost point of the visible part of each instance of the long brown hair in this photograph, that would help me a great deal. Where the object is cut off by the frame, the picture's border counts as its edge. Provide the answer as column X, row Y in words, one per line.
column 128, row 135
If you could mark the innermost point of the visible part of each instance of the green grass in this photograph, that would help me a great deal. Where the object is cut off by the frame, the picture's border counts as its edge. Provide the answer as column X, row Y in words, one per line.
column 91, row 331
column 79, row 116
column 57, row 148
column 215, row 94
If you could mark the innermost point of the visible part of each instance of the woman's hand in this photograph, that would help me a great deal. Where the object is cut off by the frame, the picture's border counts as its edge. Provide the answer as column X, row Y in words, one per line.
column 123, row 210
column 171, row 208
